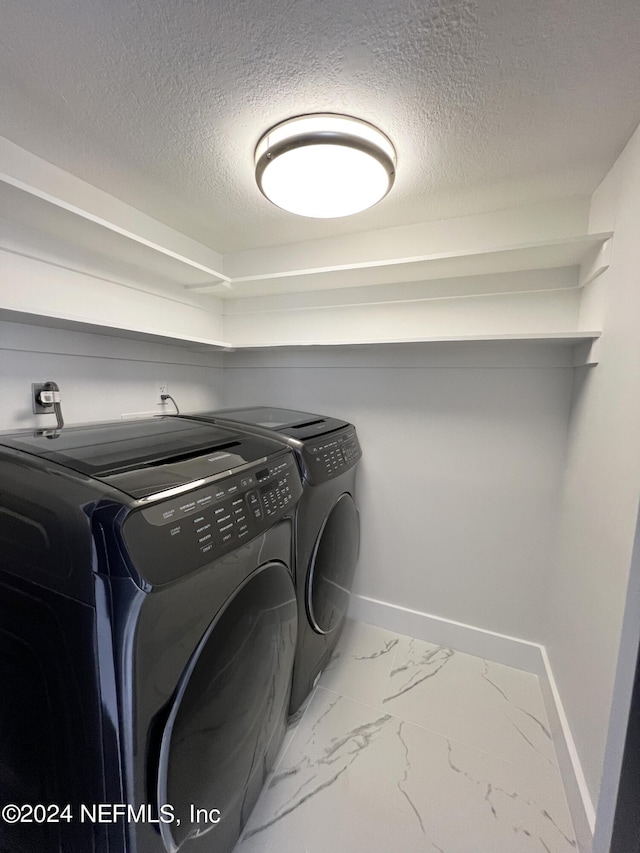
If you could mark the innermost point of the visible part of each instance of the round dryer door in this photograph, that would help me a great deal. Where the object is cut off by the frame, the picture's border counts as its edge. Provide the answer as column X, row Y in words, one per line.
column 332, row 566
column 228, row 717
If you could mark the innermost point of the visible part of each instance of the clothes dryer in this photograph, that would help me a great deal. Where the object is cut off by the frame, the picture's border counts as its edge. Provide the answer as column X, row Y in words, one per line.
column 147, row 633
column 327, row 525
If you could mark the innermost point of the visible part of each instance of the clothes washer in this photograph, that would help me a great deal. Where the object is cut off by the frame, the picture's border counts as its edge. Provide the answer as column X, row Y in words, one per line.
column 327, row 525
column 147, row 633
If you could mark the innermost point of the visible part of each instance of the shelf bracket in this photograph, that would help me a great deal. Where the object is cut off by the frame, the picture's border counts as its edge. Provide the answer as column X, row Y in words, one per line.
column 587, row 353
column 596, row 264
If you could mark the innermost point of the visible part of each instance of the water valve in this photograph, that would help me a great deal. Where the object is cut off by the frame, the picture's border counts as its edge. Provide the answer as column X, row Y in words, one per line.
column 45, row 398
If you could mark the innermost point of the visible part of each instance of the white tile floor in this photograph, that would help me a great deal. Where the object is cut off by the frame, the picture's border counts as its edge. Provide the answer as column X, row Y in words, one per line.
column 407, row 747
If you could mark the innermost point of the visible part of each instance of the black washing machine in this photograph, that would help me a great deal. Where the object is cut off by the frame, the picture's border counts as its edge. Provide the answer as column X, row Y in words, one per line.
column 327, row 526
column 148, row 628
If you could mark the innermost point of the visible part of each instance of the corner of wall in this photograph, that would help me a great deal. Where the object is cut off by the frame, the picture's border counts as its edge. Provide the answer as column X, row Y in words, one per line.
column 585, row 603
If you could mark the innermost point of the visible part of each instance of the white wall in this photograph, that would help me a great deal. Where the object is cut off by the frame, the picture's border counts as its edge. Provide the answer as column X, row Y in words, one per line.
column 463, row 458
column 598, row 511
column 101, row 377
column 49, row 289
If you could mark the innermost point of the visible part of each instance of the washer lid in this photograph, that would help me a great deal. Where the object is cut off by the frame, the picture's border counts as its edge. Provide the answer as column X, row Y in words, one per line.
column 145, row 456
column 289, row 422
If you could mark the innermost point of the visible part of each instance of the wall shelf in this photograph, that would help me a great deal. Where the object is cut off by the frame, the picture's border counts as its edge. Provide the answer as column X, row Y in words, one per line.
column 585, row 345
column 566, row 338
column 584, row 252
column 583, row 339
column 69, row 324
column 44, row 208
column 74, row 257
column 40, row 227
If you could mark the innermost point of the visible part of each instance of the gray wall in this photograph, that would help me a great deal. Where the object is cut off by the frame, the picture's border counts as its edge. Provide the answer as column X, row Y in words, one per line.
column 101, row 377
column 459, row 486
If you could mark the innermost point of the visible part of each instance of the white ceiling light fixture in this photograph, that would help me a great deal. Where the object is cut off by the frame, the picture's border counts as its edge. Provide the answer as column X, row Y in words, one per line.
column 325, row 165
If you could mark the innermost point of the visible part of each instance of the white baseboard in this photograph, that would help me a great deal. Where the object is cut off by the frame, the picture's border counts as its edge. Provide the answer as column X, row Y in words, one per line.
column 510, row 651
column 499, row 648
column 575, row 784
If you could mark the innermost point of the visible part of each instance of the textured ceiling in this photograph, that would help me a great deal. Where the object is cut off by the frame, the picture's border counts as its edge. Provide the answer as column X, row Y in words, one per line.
column 490, row 104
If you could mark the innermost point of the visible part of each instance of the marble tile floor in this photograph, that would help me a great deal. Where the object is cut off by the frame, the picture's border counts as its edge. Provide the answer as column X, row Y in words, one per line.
column 407, row 747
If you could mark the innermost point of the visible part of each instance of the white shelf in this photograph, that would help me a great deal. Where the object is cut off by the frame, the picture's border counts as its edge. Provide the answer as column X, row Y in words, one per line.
column 53, row 216
column 203, row 344
column 57, row 321
column 44, row 205
column 584, row 252
column 77, row 258
column 566, row 338
column 42, row 229
column 585, row 344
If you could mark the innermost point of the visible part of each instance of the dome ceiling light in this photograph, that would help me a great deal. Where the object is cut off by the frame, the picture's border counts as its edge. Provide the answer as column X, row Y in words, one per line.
column 325, row 165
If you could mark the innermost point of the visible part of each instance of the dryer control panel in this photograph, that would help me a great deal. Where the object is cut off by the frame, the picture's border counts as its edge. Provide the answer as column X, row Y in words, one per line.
column 329, row 455
column 174, row 537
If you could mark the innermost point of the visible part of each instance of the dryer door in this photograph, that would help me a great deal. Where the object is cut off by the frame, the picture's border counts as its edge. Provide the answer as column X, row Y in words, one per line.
column 332, row 566
column 228, row 717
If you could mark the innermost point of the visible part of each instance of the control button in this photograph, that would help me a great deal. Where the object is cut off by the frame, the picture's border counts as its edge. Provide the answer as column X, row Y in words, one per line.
column 199, row 519
column 168, row 514
column 203, row 528
column 226, row 527
column 253, row 502
column 237, row 502
column 223, row 519
column 227, row 538
column 220, row 510
column 205, row 538
column 206, row 548
column 232, row 489
column 205, row 500
column 175, row 530
column 219, row 494
column 188, row 507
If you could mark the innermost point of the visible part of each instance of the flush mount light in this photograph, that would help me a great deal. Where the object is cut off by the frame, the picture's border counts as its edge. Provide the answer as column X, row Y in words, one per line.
column 325, row 165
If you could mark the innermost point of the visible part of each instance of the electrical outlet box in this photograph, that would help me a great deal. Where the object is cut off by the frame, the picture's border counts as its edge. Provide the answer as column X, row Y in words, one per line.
column 162, row 388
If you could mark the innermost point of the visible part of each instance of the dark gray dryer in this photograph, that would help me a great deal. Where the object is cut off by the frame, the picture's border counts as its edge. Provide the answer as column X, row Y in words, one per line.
column 327, row 525
column 147, row 631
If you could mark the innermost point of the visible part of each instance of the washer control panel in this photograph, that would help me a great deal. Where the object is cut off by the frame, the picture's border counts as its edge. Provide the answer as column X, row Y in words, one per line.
column 331, row 454
column 176, row 536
